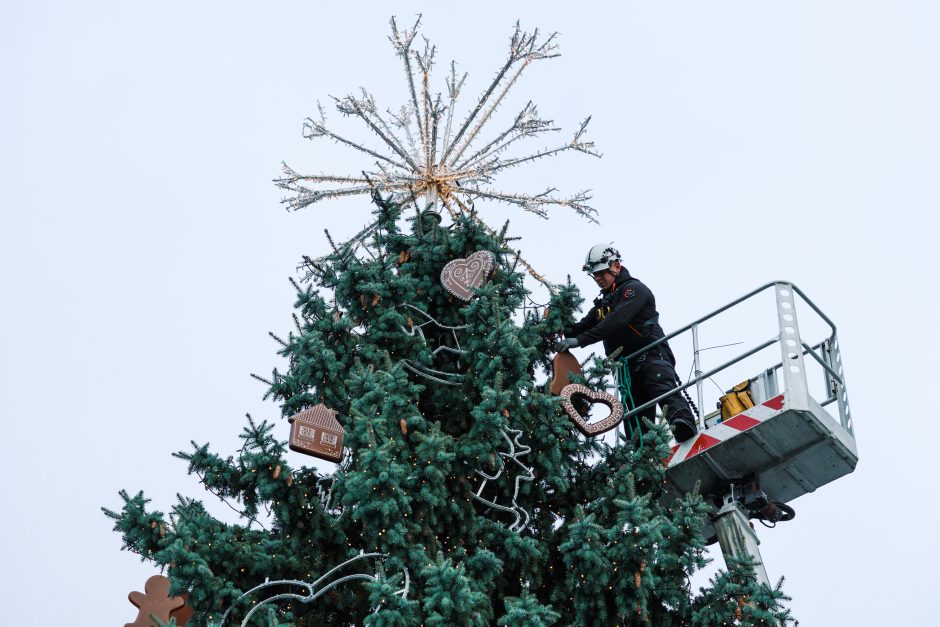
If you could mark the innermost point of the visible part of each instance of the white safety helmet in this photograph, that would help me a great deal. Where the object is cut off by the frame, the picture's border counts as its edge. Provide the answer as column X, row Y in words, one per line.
column 600, row 257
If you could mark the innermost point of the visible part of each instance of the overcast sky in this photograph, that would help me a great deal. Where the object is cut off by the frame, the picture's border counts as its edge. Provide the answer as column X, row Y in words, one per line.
column 144, row 255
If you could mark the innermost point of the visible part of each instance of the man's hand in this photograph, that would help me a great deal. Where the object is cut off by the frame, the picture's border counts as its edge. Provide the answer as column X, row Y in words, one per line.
column 565, row 344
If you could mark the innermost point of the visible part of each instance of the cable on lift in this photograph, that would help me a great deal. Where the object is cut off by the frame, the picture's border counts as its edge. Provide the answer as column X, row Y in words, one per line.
column 774, row 512
column 685, row 394
column 756, row 503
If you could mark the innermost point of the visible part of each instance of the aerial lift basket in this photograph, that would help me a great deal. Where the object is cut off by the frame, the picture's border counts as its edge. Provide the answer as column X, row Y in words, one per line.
column 787, row 438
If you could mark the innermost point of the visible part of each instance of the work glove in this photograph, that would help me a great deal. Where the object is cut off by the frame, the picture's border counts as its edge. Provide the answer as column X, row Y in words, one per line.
column 565, row 344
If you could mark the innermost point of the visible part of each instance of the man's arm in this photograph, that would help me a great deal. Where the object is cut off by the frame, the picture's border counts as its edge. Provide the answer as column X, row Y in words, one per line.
column 627, row 306
column 584, row 324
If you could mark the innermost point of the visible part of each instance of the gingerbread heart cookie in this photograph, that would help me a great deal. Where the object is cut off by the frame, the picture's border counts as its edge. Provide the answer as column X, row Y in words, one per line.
column 461, row 276
column 594, row 428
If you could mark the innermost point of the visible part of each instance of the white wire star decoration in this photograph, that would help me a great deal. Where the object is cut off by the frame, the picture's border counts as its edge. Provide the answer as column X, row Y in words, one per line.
column 426, row 153
column 439, row 376
column 516, row 449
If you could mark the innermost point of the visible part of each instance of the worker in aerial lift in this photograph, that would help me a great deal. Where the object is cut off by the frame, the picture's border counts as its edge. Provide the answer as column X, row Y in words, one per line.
column 624, row 316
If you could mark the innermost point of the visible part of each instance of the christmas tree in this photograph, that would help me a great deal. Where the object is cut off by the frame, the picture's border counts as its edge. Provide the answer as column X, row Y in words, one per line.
column 463, row 494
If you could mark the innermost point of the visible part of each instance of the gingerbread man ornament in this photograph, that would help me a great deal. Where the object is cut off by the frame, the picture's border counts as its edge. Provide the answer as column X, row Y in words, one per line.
column 156, row 600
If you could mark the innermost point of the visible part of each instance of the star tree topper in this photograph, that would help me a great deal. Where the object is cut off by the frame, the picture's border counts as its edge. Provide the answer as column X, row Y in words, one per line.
column 426, row 153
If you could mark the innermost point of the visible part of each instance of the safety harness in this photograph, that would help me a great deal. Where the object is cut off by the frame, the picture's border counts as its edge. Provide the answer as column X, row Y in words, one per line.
column 624, row 384
column 626, row 397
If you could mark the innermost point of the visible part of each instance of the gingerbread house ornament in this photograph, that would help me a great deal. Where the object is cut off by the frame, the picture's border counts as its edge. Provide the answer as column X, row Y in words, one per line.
column 317, row 432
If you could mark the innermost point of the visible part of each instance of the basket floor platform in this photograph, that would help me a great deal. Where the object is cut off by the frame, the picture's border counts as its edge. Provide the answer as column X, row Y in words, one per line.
column 792, row 449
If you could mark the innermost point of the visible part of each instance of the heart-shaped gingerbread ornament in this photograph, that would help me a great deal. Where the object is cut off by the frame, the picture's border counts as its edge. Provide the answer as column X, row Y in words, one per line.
column 594, row 428
column 461, row 276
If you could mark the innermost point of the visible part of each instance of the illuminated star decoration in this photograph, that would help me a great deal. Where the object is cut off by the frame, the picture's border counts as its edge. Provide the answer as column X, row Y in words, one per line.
column 426, row 153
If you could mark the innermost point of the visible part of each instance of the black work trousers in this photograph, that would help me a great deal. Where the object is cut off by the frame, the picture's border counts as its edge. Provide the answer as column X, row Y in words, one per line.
column 651, row 377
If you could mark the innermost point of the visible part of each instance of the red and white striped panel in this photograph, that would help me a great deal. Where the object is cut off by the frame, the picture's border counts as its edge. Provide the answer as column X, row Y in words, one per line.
column 726, row 430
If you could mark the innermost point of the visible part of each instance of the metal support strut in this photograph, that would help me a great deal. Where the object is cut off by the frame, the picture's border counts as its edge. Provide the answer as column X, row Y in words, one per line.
column 735, row 535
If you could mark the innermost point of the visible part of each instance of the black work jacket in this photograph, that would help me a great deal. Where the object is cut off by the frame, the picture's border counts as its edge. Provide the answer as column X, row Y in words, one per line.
column 623, row 315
